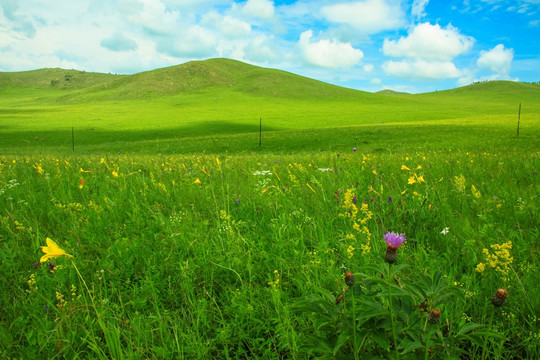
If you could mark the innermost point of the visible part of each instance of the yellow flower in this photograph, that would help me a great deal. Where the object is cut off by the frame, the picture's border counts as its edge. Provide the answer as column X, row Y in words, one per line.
column 52, row 251
column 412, row 180
column 421, row 179
column 197, row 181
column 114, row 174
column 403, row 167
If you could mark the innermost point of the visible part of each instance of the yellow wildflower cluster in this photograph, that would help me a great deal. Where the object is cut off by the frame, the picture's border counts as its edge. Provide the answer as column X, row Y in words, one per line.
column 277, row 279
column 475, row 192
column 32, row 284
column 499, row 259
column 61, row 302
column 359, row 218
column 350, row 251
column 459, row 183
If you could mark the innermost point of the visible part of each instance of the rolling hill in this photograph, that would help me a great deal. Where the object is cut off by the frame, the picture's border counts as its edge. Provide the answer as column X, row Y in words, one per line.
column 201, row 100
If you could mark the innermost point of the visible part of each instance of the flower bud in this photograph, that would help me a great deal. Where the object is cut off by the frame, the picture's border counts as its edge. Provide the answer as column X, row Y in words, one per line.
column 391, row 254
column 349, row 279
column 434, row 316
column 499, row 299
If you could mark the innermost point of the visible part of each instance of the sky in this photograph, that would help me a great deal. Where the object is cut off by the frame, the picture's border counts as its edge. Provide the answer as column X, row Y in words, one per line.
column 404, row 45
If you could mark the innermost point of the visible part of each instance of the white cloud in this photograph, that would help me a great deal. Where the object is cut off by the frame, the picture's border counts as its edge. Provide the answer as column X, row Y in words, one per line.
column 418, row 8
column 151, row 15
column 369, row 68
column 195, row 41
column 326, row 53
column 259, row 8
column 118, row 42
column 230, row 27
column 369, row 16
column 498, row 60
column 429, row 42
column 421, row 69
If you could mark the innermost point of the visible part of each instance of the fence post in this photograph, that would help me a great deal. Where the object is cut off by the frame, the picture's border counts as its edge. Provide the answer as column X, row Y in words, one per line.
column 519, row 115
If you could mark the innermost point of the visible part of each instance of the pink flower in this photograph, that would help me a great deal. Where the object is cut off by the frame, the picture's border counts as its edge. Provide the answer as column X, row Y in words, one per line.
column 394, row 240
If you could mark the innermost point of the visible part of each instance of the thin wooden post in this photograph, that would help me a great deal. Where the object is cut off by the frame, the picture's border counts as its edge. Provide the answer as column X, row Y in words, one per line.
column 519, row 116
column 73, row 139
column 260, row 132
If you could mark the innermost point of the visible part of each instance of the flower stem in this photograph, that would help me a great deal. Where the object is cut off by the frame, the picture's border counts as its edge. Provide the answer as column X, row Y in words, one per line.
column 355, row 349
column 426, row 355
column 392, row 310
column 484, row 349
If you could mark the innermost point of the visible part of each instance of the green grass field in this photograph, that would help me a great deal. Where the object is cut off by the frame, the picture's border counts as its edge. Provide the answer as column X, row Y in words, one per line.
column 189, row 240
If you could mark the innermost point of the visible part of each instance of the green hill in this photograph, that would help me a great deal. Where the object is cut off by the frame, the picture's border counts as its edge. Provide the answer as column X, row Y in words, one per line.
column 189, row 78
column 199, row 101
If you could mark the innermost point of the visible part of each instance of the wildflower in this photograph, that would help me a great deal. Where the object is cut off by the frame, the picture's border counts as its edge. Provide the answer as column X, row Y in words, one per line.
column 412, row 180
column 403, row 167
column 499, row 299
column 475, row 192
column 52, row 251
column 445, row 231
column 434, row 316
column 389, row 199
column 353, row 149
column 197, row 181
column 114, row 174
column 459, row 182
column 350, row 251
column 349, row 278
column 421, row 179
column 393, row 242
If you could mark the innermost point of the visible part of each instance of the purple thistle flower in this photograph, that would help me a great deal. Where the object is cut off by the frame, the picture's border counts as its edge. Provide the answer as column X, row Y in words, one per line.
column 353, row 149
column 394, row 240
column 389, row 199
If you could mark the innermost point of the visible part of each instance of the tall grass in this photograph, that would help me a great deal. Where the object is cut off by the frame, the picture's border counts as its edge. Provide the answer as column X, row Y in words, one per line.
column 212, row 256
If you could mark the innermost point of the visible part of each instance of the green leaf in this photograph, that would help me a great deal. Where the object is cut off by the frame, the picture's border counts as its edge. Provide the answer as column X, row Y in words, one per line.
column 342, row 340
column 408, row 346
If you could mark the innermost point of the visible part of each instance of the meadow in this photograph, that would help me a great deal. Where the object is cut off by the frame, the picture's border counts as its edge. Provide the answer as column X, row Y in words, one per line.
column 168, row 239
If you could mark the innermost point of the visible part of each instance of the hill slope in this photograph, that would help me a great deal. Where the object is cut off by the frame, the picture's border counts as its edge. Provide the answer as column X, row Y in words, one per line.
column 188, row 78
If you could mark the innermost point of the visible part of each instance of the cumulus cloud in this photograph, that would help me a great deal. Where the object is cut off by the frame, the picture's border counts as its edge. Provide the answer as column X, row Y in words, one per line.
column 498, row 60
column 151, row 15
column 369, row 16
column 195, row 41
column 17, row 22
column 421, row 69
column 118, row 42
column 429, row 42
column 326, row 53
column 230, row 27
column 259, row 8
column 418, row 8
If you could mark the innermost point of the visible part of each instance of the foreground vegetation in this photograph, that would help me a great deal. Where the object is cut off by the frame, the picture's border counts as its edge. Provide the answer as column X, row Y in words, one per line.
column 142, row 217
column 245, row 256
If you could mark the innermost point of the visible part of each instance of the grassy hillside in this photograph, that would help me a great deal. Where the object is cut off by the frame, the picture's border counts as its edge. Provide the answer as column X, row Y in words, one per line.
column 220, row 100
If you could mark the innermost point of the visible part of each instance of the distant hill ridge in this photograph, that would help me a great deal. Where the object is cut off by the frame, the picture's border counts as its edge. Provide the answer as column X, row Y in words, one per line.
column 218, row 75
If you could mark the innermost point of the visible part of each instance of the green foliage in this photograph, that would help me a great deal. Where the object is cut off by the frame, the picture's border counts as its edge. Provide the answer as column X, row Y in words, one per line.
column 190, row 241
column 205, row 256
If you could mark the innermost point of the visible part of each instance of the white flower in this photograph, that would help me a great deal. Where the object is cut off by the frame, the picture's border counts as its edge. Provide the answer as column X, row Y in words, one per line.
column 263, row 172
column 445, row 231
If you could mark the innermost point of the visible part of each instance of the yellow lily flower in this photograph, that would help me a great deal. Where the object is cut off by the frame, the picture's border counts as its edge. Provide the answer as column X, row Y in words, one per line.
column 52, row 251
column 403, row 167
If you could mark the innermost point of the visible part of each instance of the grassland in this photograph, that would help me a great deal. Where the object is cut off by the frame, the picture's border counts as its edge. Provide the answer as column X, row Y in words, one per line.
column 188, row 240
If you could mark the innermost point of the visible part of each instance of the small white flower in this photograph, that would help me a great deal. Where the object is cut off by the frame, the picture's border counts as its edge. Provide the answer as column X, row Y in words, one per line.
column 445, row 231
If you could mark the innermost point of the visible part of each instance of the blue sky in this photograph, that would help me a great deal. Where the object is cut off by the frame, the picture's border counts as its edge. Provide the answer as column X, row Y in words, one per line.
column 413, row 46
